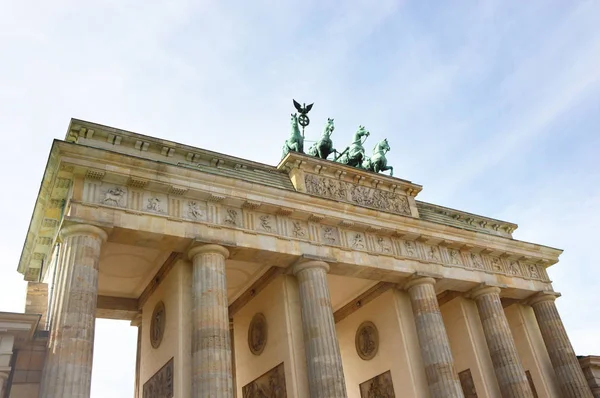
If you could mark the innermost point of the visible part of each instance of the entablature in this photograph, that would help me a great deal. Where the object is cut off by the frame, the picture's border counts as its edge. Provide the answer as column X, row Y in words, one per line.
column 95, row 177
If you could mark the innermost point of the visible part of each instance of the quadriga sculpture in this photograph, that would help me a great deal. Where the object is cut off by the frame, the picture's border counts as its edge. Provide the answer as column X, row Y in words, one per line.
column 355, row 153
column 324, row 147
column 378, row 161
column 296, row 141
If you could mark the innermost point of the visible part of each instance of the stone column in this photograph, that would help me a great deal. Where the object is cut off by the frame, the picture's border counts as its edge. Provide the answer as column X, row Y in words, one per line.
column 442, row 378
column 137, row 322
column 503, row 351
column 68, row 366
column 323, row 358
column 3, row 380
column 569, row 375
column 211, row 345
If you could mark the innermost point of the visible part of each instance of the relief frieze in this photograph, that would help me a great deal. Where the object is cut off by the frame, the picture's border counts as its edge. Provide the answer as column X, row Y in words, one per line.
column 119, row 196
column 360, row 195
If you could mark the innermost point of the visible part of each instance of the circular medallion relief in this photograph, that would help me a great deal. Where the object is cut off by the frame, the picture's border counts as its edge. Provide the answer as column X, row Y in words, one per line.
column 157, row 324
column 367, row 340
column 257, row 334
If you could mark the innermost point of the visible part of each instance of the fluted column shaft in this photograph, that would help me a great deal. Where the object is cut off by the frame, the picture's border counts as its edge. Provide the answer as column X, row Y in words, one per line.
column 569, row 374
column 137, row 322
column 442, row 378
column 510, row 374
column 68, row 366
column 211, row 344
column 323, row 358
column 3, row 378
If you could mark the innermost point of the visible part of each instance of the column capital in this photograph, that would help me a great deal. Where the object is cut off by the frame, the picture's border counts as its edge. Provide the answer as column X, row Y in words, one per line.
column 210, row 248
column 417, row 280
column 540, row 297
column 482, row 290
column 296, row 268
column 83, row 229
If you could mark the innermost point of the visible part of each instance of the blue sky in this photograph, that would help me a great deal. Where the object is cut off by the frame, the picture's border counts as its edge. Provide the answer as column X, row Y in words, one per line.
column 493, row 106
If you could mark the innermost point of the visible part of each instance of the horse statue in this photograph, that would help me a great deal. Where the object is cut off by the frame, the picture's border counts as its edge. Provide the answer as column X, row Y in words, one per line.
column 378, row 161
column 355, row 153
column 296, row 141
column 324, row 147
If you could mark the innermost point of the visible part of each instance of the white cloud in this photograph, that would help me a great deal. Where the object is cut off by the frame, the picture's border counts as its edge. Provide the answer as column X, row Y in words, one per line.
column 459, row 90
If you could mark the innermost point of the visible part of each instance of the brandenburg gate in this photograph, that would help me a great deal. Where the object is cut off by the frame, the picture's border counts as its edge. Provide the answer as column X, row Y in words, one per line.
column 313, row 278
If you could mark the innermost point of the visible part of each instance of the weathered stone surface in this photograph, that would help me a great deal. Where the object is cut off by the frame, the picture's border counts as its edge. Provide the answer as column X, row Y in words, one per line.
column 569, row 375
column 36, row 301
column 505, row 358
column 211, row 341
column 68, row 368
column 442, row 378
column 323, row 359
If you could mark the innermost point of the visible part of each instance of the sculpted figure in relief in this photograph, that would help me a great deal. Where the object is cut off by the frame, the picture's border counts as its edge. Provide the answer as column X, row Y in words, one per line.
column 384, row 245
column 513, row 268
column 154, row 204
column 496, row 264
column 454, row 257
column 114, row 196
column 533, row 271
column 358, row 242
column 194, row 210
column 410, row 248
column 265, row 223
column 298, row 230
column 476, row 261
column 231, row 217
column 328, row 234
column 433, row 254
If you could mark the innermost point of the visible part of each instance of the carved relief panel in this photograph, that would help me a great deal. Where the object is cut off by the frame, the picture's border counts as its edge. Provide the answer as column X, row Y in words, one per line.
column 366, row 340
column 231, row 217
column 160, row 385
column 297, row 229
column 383, row 244
column 157, row 324
column 270, row 384
column 356, row 194
column 109, row 194
column 432, row 253
column 155, row 203
column 380, row 386
column 257, row 334
column 265, row 223
column 356, row 240
column 195, row 210
column 329, row 235
column 409, row 248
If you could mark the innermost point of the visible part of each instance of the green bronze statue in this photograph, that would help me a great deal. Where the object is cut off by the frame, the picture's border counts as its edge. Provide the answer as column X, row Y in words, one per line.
column 296, row 141
column 324, row 147
column 355, row 153
column 378, row 161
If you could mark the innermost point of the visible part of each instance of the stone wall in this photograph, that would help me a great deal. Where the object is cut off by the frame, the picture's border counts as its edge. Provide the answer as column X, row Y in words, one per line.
column 398, row 349
column 468, row 345
column 280, row 305
column 175, row 293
